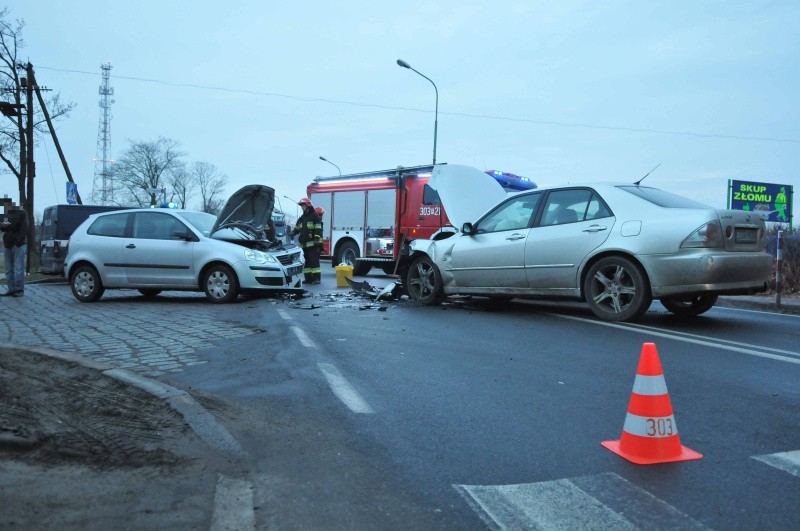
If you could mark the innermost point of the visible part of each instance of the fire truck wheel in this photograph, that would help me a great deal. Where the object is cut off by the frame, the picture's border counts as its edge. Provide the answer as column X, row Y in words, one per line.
column 424, row 282
column 361, row 268
column 347, row 254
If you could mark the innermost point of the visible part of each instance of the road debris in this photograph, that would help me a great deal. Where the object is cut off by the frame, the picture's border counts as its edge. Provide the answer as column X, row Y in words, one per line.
column 391, row 291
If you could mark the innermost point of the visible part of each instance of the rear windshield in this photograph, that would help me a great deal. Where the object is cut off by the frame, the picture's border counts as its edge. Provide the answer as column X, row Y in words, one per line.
column 662, row 198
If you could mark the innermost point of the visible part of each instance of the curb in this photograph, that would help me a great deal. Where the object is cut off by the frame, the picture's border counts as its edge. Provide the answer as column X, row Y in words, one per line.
column 196, row 416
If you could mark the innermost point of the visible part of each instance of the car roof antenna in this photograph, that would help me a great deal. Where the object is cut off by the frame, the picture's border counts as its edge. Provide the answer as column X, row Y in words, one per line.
column 646, row 174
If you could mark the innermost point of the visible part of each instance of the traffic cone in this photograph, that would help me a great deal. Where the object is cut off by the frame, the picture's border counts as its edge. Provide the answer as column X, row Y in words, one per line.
column 650, row 434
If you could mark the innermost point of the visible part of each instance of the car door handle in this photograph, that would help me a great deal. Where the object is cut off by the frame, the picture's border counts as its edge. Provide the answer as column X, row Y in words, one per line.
column 516, row 236
column 595, row 228
column 130, row 246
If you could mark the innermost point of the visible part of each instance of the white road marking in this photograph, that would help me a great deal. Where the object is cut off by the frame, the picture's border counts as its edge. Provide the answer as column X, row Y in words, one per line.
column 603, row 501
column 718, row 340
column 343, row 390
column 786, row 461
column 773, row 314
column 233, row 505
column 744, row 348
column 285, row 316
column 303, row 337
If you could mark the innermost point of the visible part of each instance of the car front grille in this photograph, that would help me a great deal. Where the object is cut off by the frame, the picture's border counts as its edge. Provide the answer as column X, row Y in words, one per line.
column 270, row 281
column 287, row 259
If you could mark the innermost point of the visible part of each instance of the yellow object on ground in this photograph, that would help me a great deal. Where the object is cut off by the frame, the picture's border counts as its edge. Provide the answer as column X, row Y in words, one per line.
column 343, row 272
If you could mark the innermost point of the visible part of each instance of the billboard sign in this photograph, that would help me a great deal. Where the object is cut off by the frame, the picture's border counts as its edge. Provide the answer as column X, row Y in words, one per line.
column 773, row 201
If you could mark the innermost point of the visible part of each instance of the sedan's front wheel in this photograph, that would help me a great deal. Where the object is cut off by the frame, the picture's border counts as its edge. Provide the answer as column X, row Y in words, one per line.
column 616, row 289
column 86, row 284
column 424, row 282
column 220, row 284
column 689, row 306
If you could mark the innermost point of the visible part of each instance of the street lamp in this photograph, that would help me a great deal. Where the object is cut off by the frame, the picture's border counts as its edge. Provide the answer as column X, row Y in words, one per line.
column 331, row 163
column 402, row 63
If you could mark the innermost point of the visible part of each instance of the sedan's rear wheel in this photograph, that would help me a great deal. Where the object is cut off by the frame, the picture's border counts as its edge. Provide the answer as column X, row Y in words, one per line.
column 617, row 289
column 220, row 284
column 689, row 306
column 86, row 284
column 424, row 282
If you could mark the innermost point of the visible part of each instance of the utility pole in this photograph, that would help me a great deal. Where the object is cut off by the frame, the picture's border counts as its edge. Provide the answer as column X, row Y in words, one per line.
column 53, row 135
column 27, row 83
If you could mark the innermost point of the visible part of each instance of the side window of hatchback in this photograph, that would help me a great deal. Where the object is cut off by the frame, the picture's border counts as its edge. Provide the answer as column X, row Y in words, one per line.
column 155, row 226
column 112, row 225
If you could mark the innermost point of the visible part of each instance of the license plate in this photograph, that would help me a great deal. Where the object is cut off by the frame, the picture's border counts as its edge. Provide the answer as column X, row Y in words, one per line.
column 296, row 270
column 746, row 235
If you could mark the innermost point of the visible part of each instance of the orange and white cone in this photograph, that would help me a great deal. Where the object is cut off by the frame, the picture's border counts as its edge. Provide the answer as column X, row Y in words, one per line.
column 650, row 434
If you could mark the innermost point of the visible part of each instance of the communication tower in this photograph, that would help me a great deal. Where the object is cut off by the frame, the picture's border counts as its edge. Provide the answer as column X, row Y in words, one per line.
column 103, row 189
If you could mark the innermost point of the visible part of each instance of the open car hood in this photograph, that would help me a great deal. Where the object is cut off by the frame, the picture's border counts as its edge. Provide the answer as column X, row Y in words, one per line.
column 466, row 192
column 245, row 215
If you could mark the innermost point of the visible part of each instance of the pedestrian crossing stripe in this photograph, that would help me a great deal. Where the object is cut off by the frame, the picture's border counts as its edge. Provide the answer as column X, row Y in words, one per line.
column 602, row 501
column 786, row 461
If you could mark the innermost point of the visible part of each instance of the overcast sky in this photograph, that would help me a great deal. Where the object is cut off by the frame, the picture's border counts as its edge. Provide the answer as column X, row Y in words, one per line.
column 560, row 92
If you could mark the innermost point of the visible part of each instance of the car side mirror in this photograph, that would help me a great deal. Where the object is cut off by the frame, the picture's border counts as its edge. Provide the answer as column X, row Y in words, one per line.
column 468, row 229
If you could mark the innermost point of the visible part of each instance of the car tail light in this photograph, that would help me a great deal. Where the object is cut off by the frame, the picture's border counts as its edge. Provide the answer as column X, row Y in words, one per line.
column 709, row 235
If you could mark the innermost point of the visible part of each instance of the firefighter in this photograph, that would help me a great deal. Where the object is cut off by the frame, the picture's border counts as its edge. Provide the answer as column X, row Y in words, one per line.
column 308, row 229
column 320, row 212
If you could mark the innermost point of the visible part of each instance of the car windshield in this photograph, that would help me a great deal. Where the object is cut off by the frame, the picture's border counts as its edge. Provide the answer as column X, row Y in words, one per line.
column 662, row 198
column 201, row 221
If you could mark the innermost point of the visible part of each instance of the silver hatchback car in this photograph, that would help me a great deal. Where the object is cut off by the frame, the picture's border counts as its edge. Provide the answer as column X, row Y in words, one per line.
column 152, row 250
column 615, row 246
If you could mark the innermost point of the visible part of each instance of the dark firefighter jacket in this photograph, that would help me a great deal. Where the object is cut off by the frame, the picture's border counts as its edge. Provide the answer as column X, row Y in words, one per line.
column 309, row 229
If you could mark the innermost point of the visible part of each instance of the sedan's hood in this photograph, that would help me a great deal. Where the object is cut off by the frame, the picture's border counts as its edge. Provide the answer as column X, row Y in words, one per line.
column 466, row 192
column 246, row 214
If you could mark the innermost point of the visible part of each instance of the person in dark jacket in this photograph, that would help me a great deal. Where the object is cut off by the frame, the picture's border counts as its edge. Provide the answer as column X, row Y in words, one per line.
column 15, row 244
column 321, row 212
column 308, row 230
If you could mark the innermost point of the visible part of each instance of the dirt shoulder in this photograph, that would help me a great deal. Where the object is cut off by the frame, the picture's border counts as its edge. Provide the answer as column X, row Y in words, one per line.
column 72, row 438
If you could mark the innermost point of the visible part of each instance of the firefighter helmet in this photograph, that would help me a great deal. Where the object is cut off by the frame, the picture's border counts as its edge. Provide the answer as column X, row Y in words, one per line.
column 320, row 211
column 305, row 202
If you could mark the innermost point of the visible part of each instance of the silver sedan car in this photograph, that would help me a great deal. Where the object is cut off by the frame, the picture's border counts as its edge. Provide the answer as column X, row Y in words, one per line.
column 152, row 250
column 615, row 246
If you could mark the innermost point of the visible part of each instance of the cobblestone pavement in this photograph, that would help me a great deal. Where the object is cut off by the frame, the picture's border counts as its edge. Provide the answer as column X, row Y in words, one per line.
column 122, row 329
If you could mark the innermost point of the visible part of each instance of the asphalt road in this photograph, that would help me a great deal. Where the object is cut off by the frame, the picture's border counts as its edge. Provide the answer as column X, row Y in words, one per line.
column 361, row 414
column 471, row 401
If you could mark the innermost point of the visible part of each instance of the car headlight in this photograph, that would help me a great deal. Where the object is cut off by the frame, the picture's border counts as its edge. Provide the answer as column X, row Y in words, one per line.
column 708, row 235
column 251, row 255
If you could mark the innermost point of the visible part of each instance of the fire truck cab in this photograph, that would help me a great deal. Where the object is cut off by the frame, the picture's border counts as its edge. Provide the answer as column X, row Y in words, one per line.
column 371, row 217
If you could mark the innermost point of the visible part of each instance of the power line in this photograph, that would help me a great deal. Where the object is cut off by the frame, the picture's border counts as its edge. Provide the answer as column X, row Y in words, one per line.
column 462, row 114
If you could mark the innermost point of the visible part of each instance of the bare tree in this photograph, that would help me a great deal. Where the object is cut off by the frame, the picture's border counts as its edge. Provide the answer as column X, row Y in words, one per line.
column 211, row 183
column 182, row 184
column 145, row 168
column 14, row 84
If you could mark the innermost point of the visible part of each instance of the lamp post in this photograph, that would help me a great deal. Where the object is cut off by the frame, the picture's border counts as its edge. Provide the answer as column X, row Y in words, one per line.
column 331, row 163
column 402, row 63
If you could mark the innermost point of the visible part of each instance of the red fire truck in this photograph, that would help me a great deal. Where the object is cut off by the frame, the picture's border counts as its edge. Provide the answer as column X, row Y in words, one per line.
column 369, row 217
